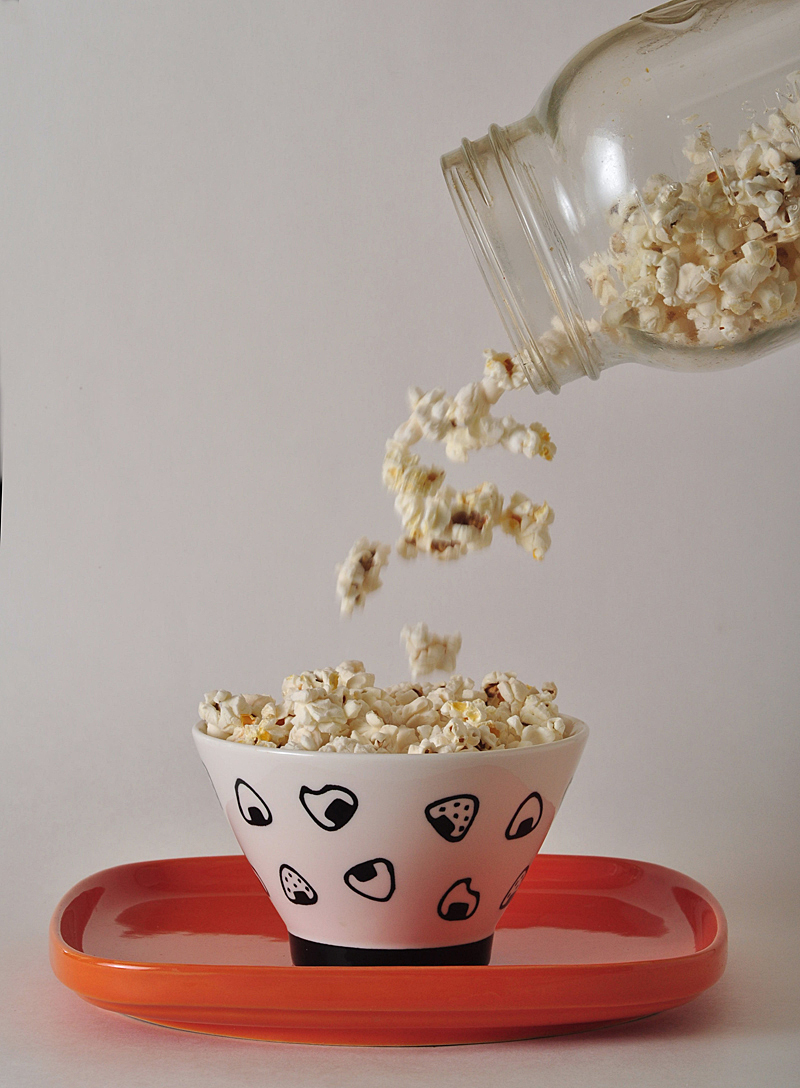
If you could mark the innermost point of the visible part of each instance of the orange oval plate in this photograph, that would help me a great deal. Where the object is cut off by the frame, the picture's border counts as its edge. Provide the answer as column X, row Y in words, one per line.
column 195, row 943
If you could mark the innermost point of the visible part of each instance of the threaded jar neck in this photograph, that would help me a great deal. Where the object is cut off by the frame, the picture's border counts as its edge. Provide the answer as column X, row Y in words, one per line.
column 498, row 185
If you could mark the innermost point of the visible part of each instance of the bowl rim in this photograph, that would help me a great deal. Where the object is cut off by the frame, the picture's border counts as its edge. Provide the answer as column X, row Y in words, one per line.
column 580, row 732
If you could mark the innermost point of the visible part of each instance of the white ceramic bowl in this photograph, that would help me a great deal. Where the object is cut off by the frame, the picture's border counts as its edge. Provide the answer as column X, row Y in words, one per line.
column 391, row 858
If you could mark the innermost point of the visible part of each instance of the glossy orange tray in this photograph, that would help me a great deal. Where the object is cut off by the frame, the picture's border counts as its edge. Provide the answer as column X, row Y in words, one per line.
column 195, row 943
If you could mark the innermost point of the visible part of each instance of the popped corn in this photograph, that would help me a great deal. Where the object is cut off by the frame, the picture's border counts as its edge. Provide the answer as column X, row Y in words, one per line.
column 528, row 524
column 428, row 652
column 440, row 520
column 343, row 710
column 437, row 518
column 714, row 259
column 359, row 574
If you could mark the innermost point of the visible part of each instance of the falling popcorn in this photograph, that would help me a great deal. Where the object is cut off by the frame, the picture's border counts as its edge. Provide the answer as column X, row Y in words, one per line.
column 428, row 652
column 359, row 574
column 528, row 524
column 437, row 519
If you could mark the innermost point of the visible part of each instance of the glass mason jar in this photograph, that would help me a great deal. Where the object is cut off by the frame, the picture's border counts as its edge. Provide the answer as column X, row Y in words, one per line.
column 648, row 209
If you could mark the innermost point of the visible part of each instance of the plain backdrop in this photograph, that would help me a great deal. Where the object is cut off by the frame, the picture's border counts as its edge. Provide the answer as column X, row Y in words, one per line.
column 226, row 249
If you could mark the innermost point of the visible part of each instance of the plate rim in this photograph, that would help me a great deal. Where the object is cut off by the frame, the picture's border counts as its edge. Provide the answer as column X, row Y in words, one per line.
column 281, row 992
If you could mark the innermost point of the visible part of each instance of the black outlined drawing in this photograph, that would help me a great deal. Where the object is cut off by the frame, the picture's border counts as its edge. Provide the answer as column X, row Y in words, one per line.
column 459, row 902
column 252, row 806
column 452, row 817
column 331, row 807
column 512, row 891
column 296, row 888
column 374, row 879
column 526, row 818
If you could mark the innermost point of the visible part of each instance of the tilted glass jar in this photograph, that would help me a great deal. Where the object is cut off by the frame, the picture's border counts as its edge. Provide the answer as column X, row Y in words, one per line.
column 648, row 209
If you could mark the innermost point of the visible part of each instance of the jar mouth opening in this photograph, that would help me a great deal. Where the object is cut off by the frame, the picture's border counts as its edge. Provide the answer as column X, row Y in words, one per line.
column 522, row 339
column 522, row 259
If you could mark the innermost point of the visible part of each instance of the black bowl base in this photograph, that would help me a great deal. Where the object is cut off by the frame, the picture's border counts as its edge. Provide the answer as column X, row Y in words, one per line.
column 313, row 954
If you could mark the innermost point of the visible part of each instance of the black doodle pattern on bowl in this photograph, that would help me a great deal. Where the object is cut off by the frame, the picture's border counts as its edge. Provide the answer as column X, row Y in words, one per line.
column 296, row 888
column 512, row 891
column 526, row 818
column 331, row 807
column 452, row 817
column 459, row 902
column 374, row 879
column 253, row 807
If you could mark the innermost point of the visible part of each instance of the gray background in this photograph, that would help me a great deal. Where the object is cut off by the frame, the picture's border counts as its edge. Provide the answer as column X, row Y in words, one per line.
column 227, row 250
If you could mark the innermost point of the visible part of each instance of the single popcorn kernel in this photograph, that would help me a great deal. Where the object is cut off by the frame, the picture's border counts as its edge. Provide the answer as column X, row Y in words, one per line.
column 428, row 652
column 359, row 574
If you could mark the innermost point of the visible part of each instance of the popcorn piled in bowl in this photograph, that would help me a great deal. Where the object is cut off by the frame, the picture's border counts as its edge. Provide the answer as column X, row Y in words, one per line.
column 343, row 710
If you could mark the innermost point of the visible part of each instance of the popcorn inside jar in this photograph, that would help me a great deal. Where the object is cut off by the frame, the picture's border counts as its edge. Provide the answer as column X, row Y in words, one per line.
column 344, row 710
column 714, row 259
column 652, row 216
